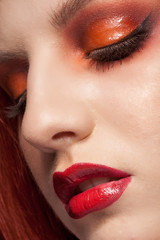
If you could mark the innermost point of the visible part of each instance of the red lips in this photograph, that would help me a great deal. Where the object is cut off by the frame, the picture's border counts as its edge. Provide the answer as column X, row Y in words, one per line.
column 94, row 199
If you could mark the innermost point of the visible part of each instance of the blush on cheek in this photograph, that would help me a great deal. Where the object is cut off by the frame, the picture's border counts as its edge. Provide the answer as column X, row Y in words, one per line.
column 16, row 84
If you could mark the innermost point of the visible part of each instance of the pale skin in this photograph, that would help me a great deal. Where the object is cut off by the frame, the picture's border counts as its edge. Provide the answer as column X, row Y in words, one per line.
column 83, row 115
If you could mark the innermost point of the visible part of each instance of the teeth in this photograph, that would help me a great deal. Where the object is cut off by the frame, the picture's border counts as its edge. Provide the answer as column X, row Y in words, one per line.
column 92, row 183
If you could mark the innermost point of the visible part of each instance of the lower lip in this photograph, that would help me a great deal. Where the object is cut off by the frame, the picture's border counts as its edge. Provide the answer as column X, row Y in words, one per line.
column 96, row 198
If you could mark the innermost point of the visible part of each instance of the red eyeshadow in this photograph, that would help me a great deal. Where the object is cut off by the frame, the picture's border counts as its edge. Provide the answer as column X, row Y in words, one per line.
column 94, row 21
column 13, row 77
column 107, row 31
column 15, row 84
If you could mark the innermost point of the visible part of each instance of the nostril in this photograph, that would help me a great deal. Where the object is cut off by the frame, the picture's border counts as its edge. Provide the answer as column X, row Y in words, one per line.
column 62, row 135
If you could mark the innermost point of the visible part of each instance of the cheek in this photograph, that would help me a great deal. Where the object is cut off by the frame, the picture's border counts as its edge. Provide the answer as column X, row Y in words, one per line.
column 130, row 101
column 41, row 165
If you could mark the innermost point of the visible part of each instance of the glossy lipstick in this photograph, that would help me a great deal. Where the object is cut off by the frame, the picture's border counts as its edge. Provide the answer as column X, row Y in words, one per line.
column 79, row 204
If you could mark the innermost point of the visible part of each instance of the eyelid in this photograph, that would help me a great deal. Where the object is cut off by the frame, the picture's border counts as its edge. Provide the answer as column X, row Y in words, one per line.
column 143, row 28
column 106, row 32
column 13, row 76
column 106, row 57
column 108, row 36
column 16, row 84
column 135, row 11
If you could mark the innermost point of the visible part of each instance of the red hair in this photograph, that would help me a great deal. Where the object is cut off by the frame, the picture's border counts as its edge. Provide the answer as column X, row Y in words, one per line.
column 24, row 213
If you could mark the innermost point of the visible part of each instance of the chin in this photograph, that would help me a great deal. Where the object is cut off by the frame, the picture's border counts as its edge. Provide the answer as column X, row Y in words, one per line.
column 121, row 228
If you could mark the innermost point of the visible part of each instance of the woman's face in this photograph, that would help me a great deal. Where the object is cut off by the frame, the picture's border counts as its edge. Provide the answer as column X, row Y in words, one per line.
column 93, row 97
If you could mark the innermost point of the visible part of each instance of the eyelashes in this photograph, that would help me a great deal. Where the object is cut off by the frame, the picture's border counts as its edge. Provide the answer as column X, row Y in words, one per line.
column 100, row 58
column 18, row 108
column 105, row 57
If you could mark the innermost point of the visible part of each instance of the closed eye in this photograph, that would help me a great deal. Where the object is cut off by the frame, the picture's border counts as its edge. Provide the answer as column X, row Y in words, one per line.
column 106, row 56
column 18, row 108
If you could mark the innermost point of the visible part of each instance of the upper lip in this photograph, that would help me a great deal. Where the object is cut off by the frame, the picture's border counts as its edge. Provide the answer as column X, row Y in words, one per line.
column 67, row 181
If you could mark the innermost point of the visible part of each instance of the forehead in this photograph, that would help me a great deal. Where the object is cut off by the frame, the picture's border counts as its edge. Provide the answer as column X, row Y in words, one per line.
column 22, row 19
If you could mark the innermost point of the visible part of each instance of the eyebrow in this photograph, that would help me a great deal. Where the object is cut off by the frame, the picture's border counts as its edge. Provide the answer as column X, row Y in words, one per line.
column 11, row 56
column 58, row 19
column 68, row 9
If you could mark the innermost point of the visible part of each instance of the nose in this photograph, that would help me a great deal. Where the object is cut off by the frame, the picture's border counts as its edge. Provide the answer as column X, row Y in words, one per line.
column 57, row 127
column 56, row 115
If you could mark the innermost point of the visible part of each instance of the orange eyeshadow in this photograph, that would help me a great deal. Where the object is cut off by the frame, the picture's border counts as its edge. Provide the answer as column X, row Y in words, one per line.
column 108, row 31
column 16, row 84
